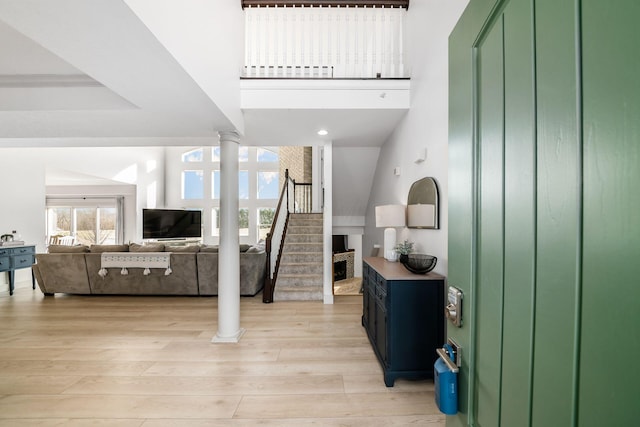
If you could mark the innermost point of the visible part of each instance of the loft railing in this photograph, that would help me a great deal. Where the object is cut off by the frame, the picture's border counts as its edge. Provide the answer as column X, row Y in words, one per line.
column 302, row 196
column 300, row 40
column 339, row 3
column 289, row 72
column 293, row 198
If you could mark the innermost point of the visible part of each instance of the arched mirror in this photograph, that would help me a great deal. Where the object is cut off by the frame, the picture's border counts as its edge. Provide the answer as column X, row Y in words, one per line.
column 422, row 204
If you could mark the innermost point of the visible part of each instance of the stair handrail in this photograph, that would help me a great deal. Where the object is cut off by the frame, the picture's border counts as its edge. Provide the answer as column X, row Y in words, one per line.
column 275, row 237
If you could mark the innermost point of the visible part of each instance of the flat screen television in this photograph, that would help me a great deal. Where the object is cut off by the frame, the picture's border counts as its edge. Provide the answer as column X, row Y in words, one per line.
column 171, row 224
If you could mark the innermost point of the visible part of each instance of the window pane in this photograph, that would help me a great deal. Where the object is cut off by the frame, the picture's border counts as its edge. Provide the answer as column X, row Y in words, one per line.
column 215, row 184
column 265, row 218
column 215, row 221
column 215, row 154
column 89, row 221
column 107, row 227
column 86, row 225
column 268, row 185
column 192, row 184
column 243, row 154
column 59, row 221
column 267, row 155
column 243, row 222
column 193, row 156
column 243, row 184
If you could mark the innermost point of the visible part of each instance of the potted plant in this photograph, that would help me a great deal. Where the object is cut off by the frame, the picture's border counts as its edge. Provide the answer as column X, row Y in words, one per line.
column 404, row 249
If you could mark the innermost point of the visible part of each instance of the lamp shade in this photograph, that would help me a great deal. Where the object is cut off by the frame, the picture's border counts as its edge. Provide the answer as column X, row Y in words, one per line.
column 421, row 216
column 390, row 216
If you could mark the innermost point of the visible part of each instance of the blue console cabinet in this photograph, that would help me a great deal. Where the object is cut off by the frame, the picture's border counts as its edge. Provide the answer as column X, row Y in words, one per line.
column 13, row 258
column 403, row 314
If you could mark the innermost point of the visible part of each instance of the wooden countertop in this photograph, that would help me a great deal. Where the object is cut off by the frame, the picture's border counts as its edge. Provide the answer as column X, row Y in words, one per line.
column 396, row 271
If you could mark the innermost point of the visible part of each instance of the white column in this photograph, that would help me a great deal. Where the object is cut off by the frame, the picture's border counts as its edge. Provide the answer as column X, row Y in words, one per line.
column 328, row 223
column 229, row 330
column 316, row 179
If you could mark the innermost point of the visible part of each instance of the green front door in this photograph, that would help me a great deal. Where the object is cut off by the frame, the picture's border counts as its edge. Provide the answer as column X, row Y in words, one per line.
column 544, row 159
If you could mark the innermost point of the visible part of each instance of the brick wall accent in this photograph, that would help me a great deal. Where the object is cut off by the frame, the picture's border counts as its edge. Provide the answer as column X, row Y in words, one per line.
column 299, row 162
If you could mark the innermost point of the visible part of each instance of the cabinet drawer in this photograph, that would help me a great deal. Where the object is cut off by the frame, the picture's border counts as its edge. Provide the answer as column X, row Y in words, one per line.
column 23, row 251
column 4, row 252
column 5, row 263
column 382, row 283
column 22, row 261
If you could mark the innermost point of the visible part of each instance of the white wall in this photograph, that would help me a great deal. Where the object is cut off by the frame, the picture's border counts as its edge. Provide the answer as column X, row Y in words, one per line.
column 22, row 196
column 139, row 166
column 22, row 203
column 353, row 171
column 425, row 126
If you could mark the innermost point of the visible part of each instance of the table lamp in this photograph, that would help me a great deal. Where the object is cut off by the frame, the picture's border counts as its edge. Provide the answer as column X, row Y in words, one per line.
column 390, row 216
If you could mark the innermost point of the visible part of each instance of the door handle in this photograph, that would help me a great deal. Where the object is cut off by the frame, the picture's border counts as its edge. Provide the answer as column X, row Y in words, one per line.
column 447, row 360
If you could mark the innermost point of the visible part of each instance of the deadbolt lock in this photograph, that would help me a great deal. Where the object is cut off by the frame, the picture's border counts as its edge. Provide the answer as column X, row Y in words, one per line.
column 453, row 310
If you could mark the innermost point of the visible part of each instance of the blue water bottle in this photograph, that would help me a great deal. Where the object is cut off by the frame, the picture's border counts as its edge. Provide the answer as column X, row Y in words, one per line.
column 445, row 379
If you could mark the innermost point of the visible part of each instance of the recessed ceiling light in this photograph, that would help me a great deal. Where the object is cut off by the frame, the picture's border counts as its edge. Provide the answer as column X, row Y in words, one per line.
column 323, row 132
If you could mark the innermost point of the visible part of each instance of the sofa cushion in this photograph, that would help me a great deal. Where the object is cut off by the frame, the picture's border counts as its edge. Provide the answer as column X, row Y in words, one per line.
column 152, row 247
column 244, row 248
column 190, row 248
column 258, row 247
column 63, row 272
column 98, row 249
column 65, row 249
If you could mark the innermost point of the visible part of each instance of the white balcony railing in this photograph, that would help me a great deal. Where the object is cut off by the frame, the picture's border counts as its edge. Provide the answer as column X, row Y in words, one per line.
column 324, row 42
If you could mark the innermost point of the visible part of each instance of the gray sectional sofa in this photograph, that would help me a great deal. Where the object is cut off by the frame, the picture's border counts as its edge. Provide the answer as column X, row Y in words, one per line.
column 194, row 271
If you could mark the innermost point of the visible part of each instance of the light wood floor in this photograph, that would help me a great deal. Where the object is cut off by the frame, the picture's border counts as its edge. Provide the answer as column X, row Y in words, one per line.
column 149, row 361
column 348, row 286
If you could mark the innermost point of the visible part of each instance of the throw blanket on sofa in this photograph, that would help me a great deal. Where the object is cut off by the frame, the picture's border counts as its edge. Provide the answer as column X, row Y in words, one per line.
column 124, row 260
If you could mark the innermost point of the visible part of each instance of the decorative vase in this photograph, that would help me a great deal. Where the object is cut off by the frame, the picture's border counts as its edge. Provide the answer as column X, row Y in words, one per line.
column 404, row 258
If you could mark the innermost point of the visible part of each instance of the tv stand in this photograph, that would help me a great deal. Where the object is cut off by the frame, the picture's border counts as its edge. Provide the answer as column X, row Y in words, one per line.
column 174, row 242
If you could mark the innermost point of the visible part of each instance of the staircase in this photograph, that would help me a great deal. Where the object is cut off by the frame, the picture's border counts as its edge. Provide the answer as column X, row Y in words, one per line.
column 300, row 274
